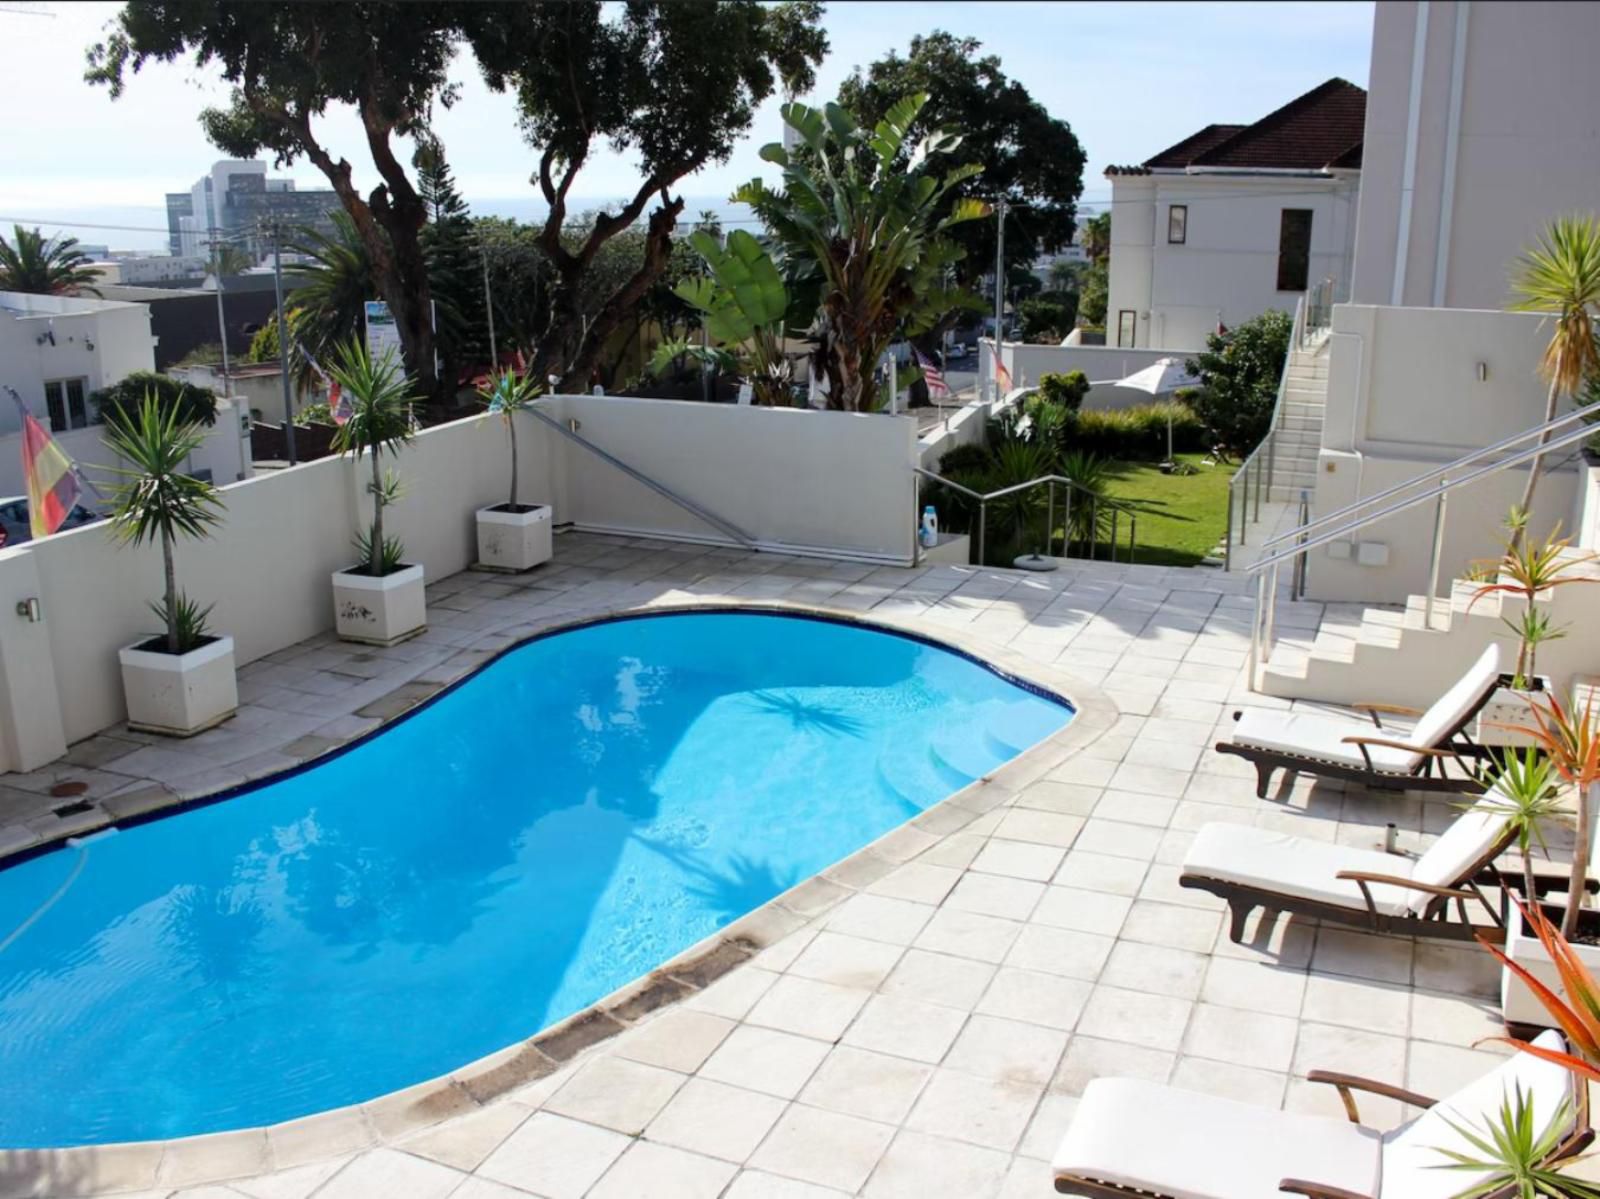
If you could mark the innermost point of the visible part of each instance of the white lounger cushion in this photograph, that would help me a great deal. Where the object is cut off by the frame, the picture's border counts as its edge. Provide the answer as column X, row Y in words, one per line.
column 1288, row 865
column 1159, row 1139
column 1306, row 869
column 1143, row 1135
column 1316, row 735
column 1410, row 1153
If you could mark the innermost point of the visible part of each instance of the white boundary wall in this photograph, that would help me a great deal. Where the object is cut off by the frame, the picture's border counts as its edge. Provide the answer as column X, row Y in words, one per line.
column 1027, row 363
column 832, row 484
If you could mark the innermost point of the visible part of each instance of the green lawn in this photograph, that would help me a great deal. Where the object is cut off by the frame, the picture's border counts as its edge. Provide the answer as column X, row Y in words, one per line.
column 1181, row 517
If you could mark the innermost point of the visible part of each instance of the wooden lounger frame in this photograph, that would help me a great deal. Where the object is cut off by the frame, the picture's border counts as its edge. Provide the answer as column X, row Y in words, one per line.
column 1574, row 1143
column 1428, row 775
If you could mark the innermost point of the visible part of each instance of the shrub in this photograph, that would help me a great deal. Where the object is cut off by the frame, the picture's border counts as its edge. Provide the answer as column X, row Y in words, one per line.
column 121, row 402
column 1239, row 374
column 1068, row 389
column 1139, row 432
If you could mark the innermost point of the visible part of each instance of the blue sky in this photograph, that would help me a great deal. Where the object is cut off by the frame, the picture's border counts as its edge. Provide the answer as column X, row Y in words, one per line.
column 1130, row 78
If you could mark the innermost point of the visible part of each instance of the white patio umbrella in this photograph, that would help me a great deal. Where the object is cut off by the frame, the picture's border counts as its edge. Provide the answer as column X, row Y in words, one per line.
column 1160, row 377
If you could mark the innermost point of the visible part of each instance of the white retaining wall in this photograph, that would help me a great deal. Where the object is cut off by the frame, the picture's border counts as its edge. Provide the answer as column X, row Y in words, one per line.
column 825, row 483
column 1102, row 364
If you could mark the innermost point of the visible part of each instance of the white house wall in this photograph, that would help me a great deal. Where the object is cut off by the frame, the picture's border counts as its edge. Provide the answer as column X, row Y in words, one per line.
column 1527, row 146
column 1404, row 396
column 118, row 333
column 1227, row 267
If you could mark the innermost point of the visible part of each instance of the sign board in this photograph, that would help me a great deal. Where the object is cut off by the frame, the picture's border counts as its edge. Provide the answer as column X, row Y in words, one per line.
column 383, row 335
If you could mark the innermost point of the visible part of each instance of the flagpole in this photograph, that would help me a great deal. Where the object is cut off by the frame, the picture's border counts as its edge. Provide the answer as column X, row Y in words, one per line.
column 283, row 343
column 999, row 292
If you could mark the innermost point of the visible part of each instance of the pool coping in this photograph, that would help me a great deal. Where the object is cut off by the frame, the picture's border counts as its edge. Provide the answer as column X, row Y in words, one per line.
column 216, row 1157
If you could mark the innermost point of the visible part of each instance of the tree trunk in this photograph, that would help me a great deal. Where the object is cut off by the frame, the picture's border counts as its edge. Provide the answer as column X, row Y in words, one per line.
column 511, row 428
column 375, row 557
column 1576, row 888
column 170, row 569
column 1536, row 467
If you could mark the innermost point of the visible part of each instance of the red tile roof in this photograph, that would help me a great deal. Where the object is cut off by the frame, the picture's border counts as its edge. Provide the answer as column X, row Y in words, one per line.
column 1320, row 130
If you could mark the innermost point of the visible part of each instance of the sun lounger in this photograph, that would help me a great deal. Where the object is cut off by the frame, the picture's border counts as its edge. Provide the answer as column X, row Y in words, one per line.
column 1253, row 867
column 1132, row 1138
column 1364, row 750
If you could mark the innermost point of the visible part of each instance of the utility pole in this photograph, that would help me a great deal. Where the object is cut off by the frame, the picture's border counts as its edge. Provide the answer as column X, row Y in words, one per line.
column 999, row 290
column 283, row 341
column 488, row 306
column 222, row 323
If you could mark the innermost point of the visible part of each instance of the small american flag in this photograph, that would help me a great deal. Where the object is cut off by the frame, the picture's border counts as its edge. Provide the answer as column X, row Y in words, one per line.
column 930, row 372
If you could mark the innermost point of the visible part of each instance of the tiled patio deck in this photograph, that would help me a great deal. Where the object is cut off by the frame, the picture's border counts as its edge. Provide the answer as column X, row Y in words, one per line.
column 927, row 1035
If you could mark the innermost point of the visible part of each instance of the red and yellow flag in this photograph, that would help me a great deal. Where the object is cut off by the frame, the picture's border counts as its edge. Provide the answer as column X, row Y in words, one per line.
column 52, row 483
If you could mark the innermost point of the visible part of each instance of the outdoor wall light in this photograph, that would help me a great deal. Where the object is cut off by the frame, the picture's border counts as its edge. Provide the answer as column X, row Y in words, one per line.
column 30, row 610
column 1483, row 372
column 88, row 344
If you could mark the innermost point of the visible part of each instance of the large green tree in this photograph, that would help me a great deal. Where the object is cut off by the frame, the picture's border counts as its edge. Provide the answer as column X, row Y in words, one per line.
column 44, row 266
column 674, row 83
column 1029, row 157
column 1096, row 290
column 287, row 64
column 455, row 268
column 863, row 230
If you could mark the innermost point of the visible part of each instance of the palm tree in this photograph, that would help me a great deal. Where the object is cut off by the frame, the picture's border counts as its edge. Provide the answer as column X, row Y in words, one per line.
column 1063, row 275
column 228, row 259
column 866, row 231
column 329, row 309
column 160, row 501
column 1560, row 276
column 506, row 394
column 380, row 419
column 44, row 266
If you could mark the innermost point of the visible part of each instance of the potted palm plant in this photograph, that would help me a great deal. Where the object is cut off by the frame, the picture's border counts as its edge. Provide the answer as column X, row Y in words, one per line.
column 379, row 600
column 179, row 681
column 1569, row 741
column 512, row 536
column 1526, row 571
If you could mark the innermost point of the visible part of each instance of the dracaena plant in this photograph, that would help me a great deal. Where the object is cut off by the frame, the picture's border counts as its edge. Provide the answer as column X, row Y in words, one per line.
column 507, row 393
column 1570, row 738
column 1523, row 792
column 1575, row 1009
column 1526, row 571
column 380, row 421
column 159, row 501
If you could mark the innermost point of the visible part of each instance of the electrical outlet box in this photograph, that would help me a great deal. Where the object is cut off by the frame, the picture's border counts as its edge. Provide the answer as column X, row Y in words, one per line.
column 1373, row 553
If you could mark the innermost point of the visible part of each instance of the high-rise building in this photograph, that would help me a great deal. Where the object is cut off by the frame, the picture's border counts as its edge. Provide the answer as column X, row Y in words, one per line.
column 239, row 201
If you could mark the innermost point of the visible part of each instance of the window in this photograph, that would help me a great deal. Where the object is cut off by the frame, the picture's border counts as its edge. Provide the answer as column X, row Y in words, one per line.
column 1294, row 249
column 1177, row 224
column 65, row 400
column 1127, row 326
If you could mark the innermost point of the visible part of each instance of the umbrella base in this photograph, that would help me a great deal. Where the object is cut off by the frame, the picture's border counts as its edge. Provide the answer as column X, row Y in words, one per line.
column 1035, row 562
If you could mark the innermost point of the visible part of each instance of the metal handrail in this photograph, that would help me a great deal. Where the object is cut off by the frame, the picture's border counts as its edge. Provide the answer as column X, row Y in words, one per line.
column 1437, row 472
column 1117, row 507
column 711, row 518
column 1266, row 569
column 1267, row 443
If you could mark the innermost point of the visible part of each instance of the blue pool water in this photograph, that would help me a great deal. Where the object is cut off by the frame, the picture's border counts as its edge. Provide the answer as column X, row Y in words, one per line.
column 585, row 807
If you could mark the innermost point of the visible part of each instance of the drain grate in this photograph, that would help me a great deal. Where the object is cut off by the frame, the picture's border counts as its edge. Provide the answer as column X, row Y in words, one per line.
column 72, row 809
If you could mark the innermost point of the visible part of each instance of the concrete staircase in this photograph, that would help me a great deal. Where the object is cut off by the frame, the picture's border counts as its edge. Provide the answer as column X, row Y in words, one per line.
column 1389, row 655
column 1299, row 435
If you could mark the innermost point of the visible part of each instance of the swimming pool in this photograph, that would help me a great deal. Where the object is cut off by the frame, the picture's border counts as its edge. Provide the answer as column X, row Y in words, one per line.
column 585, row 807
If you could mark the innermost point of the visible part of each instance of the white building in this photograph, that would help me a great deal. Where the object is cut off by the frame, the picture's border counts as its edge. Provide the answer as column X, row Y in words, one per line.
column 147, row 269
column 57, row 350
column 1235, row 220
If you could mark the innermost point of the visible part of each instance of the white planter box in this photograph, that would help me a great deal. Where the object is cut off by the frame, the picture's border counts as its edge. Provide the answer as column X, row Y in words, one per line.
column 379, row 611
column 1505, row 707
column 1517, row 1002
column 514, row 541
column 179, row 694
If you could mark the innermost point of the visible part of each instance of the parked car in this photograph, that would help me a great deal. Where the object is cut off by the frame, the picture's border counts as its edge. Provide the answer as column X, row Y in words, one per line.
column 14, row 519
column 957, row 349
